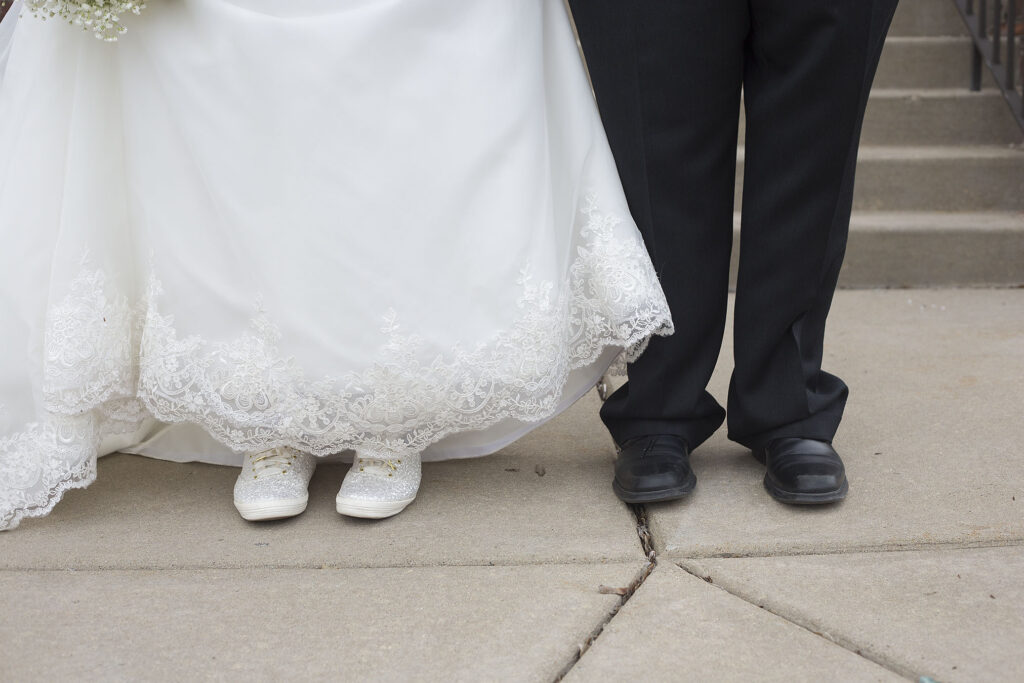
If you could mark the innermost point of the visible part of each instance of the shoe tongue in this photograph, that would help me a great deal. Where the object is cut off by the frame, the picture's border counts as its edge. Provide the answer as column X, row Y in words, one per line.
column 378, row 465
column 271, row 462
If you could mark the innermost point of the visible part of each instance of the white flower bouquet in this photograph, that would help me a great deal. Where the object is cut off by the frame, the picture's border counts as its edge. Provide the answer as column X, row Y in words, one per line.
column 102, row 17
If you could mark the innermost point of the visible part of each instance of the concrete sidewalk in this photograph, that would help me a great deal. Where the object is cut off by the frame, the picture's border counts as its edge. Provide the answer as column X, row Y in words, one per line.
column 508, row 567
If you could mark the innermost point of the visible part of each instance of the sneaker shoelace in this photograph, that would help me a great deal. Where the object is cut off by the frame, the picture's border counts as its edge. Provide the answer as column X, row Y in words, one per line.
column 378, row 466
column 274, row 461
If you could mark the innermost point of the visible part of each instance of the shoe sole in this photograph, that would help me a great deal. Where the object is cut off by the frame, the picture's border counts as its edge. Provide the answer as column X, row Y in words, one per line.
column 278, row 509
column 368, row 509
column 661, row 496
column 822, row 498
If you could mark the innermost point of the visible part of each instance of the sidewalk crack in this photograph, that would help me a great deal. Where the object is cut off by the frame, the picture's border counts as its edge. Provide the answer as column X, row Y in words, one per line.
column 696, row 570
column 643, row 532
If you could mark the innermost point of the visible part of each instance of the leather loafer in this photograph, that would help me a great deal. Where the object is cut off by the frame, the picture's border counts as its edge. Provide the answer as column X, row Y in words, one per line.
column 803, row 471
column 653, row 468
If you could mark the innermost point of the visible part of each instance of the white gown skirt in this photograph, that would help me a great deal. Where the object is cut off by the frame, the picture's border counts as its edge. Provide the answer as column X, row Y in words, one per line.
column 392, row 227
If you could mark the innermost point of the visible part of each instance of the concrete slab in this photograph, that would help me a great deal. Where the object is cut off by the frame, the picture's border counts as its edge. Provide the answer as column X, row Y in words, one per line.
column 677, row 627
column 451, row 624
column 939, row 117
column 932, row 437
column 933, row 178
column 955, row 615
column 933, row 116
column 926, row 62
column 926, row 18
column 545, row 499
column 949, row 250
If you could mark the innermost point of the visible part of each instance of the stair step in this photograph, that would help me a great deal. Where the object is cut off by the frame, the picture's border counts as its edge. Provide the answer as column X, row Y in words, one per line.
column 927, row 18
column 936, row 117
column 925, row 62
column 939, row 117
column 928, row 249
column 968, row 178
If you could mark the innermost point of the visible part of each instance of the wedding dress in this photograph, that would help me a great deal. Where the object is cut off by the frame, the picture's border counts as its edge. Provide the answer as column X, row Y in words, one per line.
column 319, row 224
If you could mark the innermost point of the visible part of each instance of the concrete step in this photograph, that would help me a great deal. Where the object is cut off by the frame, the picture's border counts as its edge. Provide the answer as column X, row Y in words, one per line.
column 959, row 179
column 925, row 62
column 927, row 18
column 936, row 117
column 939, row 117
column 923, row 249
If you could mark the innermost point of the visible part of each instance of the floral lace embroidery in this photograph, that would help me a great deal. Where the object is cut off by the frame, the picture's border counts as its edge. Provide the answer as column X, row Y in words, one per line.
column 41, row 463
column 107, row 370
column 88, row 347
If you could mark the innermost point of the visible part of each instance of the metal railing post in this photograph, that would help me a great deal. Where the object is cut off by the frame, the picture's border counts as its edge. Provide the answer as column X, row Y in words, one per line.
column 986, row 49
column 997, row 33
column 1011, row 46
column 976, row 65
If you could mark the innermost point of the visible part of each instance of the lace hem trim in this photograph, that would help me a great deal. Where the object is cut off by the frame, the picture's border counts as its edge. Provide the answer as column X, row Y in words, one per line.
column 250, row 397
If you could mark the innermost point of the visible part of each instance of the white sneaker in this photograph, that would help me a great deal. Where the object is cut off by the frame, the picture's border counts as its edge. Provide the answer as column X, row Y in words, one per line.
column 273, row 484
column 378, row 487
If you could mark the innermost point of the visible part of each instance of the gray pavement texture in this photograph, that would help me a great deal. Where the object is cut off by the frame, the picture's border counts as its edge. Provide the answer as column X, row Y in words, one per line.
column 971, row 178
column 932, row 437
column 498, row 510
column 926, row 18
column 428, row 623
column 680, row 626
column 960, row 614
column 949, row 249
column 935, row 116
column 510, row 567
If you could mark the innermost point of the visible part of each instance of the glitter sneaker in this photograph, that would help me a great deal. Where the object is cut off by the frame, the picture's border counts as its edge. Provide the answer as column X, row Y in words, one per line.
column 273, row 484
column 378, row 487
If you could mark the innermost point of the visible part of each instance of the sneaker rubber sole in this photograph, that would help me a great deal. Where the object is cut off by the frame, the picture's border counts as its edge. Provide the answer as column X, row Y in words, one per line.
column 370, row 509
column 260, row 511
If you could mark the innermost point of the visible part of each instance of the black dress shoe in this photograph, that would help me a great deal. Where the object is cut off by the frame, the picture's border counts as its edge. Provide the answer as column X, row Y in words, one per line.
column 803, row 471
column 653, row 468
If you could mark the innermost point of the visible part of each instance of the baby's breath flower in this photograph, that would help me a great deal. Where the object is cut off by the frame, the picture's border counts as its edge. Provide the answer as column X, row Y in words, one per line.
column 102, row 17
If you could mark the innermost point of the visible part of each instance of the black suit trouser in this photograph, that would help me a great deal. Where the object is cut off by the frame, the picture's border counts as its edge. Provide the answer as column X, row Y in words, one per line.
column 668, row 75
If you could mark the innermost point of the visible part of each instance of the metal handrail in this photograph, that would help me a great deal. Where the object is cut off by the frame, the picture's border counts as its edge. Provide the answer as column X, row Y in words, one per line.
column 1000, row 53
